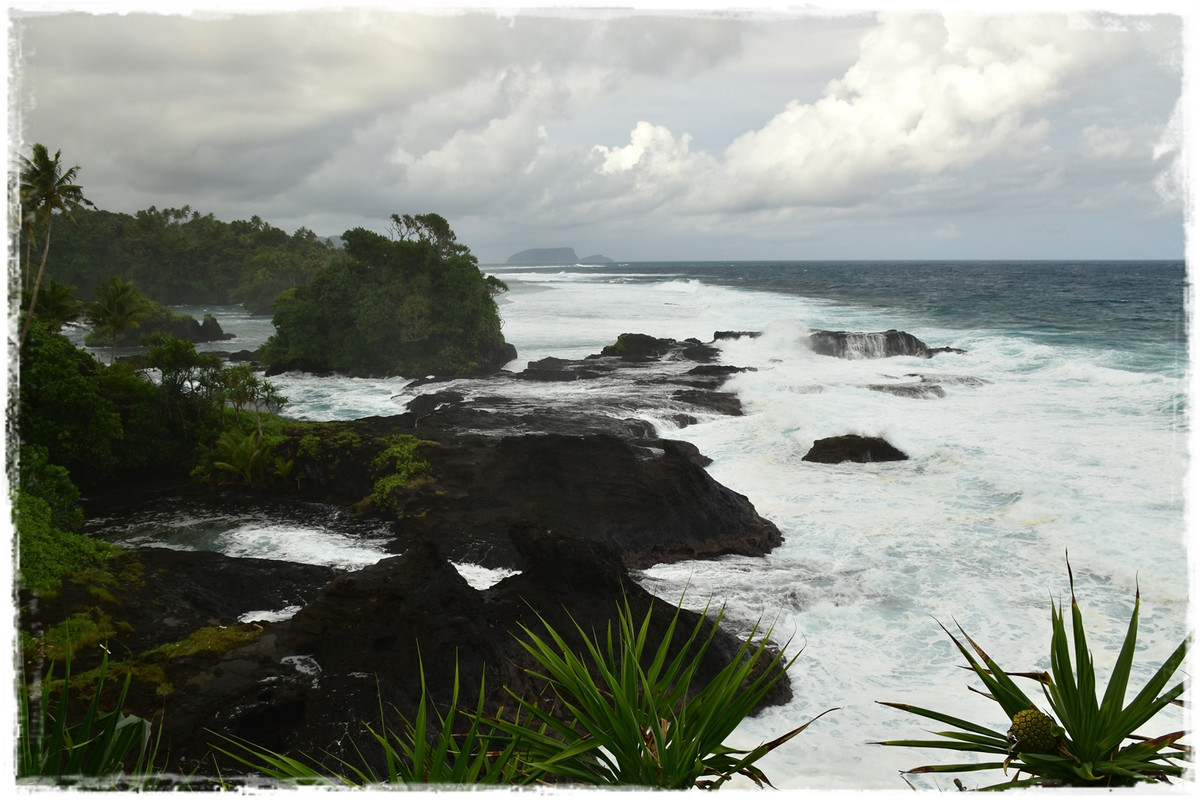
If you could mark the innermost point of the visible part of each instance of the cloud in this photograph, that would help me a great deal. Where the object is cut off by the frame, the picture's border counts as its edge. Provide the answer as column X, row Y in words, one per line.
column 557, row 120
column 928, row 96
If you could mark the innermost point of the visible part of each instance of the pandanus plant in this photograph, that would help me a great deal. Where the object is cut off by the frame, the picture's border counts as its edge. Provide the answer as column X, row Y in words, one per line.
column 1083, row 741
column 637, row 715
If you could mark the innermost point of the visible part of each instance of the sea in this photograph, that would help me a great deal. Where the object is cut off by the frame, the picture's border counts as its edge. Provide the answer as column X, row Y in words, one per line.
column 1058, row 450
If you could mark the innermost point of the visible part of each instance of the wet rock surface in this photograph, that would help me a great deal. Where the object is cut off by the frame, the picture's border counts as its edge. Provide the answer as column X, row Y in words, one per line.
column 597, row 470
column 572, row 497
column 308, row 685
column 852, row 447
column 884, row 344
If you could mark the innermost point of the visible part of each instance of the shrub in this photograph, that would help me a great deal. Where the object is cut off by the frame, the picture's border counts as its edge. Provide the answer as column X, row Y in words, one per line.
column 47, row 555
column 111, row 748
column 638, row 719
column 1092, row 744
column 635, row 718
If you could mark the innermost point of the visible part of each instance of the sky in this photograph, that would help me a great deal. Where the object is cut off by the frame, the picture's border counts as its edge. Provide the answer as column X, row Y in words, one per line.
column 668, row 132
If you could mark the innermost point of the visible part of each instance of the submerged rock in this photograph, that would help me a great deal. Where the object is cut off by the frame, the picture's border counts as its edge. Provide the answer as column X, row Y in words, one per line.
column 852, row 447
column 914, row 390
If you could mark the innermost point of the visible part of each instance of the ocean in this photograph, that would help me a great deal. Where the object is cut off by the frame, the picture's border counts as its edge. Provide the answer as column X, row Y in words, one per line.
column 1061, row 436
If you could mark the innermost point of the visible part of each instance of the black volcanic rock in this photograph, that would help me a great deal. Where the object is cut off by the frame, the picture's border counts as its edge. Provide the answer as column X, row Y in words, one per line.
column 852, row 447
column 179, row 326
column 638, row 347
column 572, row 495
column 307, row 686
column 721, row 402
column 915, row 390
column 867, row 345
column 651, row 500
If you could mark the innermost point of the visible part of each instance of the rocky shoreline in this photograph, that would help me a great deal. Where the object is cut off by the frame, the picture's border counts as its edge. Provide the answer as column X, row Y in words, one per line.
column 572, row 500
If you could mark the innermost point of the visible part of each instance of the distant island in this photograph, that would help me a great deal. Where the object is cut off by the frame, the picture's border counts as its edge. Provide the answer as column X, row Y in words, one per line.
column 553, row 255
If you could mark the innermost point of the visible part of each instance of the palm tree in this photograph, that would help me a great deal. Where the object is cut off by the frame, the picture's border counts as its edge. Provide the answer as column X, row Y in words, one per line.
column 119, row 306
column 46, row 189
column 58, row 306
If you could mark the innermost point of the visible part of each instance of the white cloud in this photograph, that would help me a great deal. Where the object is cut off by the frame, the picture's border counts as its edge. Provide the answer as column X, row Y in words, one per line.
column 654, row 123
column 1170, row 181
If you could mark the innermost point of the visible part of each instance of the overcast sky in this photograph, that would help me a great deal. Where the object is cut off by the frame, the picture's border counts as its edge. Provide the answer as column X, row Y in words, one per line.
column 648, row 134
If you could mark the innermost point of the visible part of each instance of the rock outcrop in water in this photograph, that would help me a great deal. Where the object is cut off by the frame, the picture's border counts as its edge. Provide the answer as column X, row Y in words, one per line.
column 842, row 344
column 572, row 497
column 307, row 686
column 853, row 447
column 597, row 471
column 648, row 498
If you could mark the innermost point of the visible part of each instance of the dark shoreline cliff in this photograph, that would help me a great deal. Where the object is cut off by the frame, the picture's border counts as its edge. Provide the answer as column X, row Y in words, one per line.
column 573, row 499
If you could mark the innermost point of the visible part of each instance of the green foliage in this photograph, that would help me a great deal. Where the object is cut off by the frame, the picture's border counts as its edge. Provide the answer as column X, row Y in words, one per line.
column 52, row 483
column 431, row 749
column 398, row 466
column 413, row 306
column 101, row 745
column 61, row 406
column 1097, row 744
column 637, row 716
column 80, row 632
column 179, row 256
column 46, row 189
column 242, row 455
column 57, row 306
column 151, row 666
column 119, row 306
column 45, row 554
column 495, row 285
column 310, row 445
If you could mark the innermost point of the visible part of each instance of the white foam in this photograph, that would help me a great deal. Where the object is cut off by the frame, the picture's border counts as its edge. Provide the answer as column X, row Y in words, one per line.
column 482, row 577
column 1057, row 450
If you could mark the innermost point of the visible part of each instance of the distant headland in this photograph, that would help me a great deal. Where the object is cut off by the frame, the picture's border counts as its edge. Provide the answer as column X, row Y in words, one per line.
column 553, row 255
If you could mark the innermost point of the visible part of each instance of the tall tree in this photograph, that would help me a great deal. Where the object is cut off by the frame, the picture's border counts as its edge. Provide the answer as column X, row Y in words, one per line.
column 46, row 190
column 57, row 306
column 119, row 306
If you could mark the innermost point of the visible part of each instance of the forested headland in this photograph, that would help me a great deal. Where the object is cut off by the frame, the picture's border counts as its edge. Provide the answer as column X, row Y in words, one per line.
column 412, row 304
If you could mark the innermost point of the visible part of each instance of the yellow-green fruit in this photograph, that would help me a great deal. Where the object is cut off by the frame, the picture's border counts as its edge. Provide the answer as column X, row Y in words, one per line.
column 1034, row 732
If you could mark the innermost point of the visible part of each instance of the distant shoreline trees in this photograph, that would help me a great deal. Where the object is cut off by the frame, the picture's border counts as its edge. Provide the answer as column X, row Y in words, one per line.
column 178, row 256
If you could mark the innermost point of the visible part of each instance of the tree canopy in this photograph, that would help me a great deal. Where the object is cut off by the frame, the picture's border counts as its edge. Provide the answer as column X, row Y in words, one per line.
column 412, row 305
column 179, row 256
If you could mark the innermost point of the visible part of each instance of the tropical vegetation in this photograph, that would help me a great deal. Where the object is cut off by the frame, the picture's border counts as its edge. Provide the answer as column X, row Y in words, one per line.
column 412, row 305
column 627, row 708
column 179, row 256
column 103, row 749
column 1094, row 742
column 46, row 190
column 629, row 713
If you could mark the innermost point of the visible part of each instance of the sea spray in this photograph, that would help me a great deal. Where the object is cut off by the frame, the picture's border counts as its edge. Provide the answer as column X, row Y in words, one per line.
column 1061, row 433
